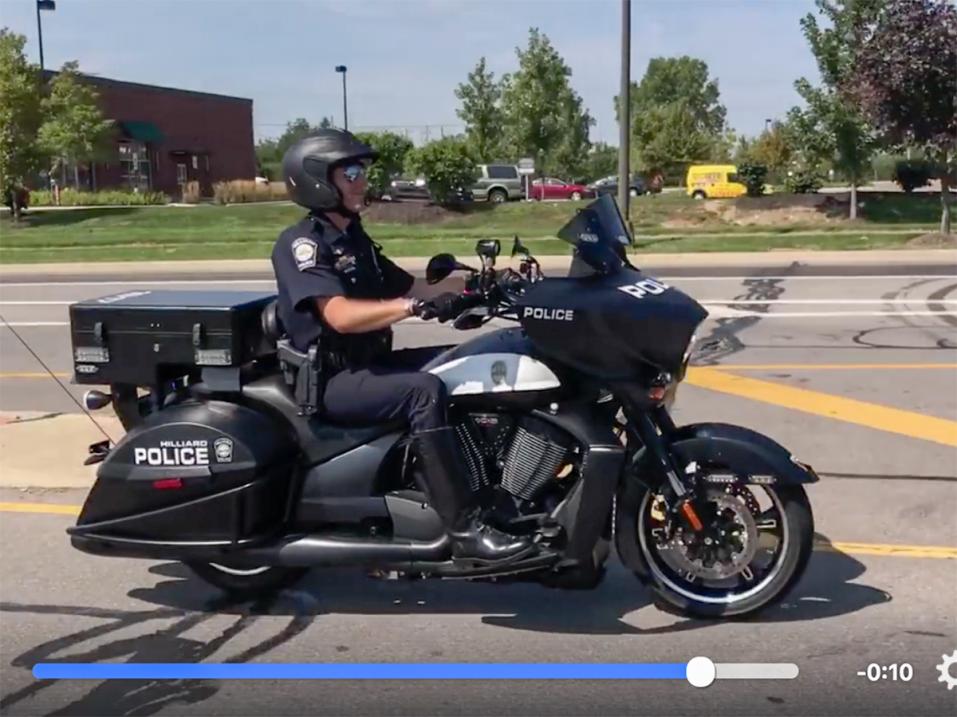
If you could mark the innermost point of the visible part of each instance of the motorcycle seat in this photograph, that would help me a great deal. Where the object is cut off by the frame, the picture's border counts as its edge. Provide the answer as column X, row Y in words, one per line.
column 318, row 437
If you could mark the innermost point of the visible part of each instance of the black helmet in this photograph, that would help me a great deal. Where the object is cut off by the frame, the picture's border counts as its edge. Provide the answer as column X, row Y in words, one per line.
column 307, row 163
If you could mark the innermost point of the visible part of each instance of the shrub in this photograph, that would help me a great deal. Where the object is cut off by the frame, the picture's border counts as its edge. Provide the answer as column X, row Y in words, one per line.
column 242, row 191
column 911, row 174
column 804, row 181
column 74, row 198
column 448, row 166
column 752, row 175
column 191, row 193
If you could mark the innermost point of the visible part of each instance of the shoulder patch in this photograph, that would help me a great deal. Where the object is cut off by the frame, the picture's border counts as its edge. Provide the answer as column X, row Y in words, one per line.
column 304, row 251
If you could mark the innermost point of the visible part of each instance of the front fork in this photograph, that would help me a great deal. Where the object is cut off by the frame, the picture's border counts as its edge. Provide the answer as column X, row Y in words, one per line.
column 652, row 426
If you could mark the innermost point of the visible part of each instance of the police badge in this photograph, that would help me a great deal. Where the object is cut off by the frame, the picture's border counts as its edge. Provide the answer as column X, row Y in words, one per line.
column 304, row 251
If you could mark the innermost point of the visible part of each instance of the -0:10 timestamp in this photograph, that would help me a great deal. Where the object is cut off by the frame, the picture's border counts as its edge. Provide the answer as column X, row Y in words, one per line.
column 903, row 672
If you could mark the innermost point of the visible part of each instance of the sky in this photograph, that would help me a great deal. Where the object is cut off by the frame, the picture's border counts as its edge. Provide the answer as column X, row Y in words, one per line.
column 405, row 57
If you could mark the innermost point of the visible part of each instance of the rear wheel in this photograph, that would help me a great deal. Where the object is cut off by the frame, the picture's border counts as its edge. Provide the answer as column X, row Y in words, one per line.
column 698, row 194
column 633, row 192
column 247, row 582
column 754, row 547
column 497, row 196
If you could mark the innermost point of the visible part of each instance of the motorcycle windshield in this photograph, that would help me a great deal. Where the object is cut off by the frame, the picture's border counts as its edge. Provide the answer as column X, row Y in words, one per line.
column 600, row 238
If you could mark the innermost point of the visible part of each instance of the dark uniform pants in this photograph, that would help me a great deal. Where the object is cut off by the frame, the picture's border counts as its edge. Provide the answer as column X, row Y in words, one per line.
column 392, row 388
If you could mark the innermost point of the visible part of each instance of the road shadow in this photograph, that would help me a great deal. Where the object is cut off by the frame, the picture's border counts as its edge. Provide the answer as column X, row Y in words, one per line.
column 182, row 602
column 165, row 644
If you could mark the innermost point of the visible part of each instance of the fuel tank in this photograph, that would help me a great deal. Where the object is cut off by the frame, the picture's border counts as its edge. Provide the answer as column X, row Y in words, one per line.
column 501, row 368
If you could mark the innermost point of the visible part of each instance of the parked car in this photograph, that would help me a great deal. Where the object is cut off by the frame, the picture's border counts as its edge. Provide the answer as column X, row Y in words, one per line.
column 498, row 183
column 609, row 185
column 404, row 188
column 714, row 181
column 551, row 188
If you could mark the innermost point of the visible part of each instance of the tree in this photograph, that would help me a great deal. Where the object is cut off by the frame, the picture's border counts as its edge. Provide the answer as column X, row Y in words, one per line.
column 392, row 149
column 773, row 148
column 19, row 116
column 74, row 131
column 571, row 156
column 269, row 152
column 904, row 81
column 677, row 90
column 481, row 111
column 685, row 79
column 542, row 113
column 448, row 166
column 830, row 127
column 670, row 137
column 601, row 161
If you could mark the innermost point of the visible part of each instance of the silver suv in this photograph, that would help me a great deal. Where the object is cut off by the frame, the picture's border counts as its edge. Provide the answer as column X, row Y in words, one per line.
column 498, row 183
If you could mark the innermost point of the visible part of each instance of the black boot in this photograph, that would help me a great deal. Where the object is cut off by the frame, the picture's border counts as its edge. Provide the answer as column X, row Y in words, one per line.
column 446, row 479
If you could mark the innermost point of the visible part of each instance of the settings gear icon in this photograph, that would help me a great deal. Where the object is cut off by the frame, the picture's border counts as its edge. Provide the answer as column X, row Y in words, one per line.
column 944, row 669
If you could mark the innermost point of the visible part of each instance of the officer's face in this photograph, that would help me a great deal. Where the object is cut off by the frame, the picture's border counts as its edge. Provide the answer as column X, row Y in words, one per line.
column 354, row 191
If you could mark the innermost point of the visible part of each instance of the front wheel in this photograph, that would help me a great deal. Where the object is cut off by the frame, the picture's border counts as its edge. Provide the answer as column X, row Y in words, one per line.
column 247, row 582
column 754, row 546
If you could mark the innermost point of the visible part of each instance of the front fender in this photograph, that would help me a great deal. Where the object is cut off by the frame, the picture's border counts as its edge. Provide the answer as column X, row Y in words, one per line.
column 739, row 449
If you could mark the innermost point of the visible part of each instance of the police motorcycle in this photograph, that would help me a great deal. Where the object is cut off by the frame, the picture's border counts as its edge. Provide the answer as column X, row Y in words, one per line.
column 229, row 466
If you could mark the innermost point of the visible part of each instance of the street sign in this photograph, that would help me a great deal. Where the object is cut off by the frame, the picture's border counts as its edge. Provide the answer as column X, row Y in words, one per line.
column 526, row 166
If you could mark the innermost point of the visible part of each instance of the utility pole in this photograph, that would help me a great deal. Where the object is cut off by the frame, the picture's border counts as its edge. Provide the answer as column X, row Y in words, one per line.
column 43, row 5
column 624, row 113
column 345, row 107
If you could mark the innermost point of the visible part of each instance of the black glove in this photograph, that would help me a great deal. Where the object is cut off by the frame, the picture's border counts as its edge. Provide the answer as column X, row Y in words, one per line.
column 445, row 307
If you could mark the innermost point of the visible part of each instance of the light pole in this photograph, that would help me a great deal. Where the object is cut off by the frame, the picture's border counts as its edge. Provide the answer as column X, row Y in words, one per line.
column 43, row 5
column 345, row 108
column 624, row 112
column 767, row 125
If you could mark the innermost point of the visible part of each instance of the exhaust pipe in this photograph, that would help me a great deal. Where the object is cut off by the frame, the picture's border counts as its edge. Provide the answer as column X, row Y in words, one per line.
column 310, row 551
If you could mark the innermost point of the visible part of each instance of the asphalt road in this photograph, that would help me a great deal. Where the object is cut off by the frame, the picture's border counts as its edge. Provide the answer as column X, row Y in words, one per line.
column 857, row 376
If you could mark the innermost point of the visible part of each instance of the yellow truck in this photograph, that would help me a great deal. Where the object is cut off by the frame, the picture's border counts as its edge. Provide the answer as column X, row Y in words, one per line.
column 714, row 181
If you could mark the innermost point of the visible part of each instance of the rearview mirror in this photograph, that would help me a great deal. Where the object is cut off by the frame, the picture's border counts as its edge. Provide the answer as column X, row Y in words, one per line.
column 440, row 266
column 488, row 248
column 518, row 249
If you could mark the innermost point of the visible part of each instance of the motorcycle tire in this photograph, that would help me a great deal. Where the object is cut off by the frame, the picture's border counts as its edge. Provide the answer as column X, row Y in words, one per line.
column 796, row 511
column 247, row 583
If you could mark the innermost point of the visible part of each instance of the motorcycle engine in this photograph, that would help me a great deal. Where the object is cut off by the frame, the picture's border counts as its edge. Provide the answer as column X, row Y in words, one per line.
column 520, row 455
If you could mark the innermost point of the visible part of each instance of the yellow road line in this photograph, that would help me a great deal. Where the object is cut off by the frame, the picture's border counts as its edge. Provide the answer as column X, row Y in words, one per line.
column 47, row 508
column 862, row 413
column 899, row 551
column 832, row 366
column 31, row 374
column 938, row 552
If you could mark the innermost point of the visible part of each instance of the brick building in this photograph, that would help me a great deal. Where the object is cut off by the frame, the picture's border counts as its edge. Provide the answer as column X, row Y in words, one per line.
column 166, row 137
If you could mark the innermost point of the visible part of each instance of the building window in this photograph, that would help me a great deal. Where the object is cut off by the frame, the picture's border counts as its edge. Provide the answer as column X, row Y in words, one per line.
column 135, row 166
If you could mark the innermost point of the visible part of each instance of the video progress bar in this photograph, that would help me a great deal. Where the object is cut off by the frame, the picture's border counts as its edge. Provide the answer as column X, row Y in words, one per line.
column 699, row 671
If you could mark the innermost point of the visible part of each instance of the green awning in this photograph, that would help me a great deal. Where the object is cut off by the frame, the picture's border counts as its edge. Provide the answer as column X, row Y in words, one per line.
column 142, row 131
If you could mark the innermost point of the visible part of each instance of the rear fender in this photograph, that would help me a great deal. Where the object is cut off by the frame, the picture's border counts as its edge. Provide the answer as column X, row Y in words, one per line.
column 754, row 456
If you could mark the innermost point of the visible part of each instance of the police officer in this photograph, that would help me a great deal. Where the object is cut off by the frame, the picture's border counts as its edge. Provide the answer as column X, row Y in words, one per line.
column 336, row 287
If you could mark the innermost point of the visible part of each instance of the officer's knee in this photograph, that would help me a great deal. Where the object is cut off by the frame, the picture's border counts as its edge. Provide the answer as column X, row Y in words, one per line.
column 429, row 389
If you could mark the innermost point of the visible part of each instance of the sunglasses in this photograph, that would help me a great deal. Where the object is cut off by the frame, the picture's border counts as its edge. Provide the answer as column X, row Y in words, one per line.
column 354, row 172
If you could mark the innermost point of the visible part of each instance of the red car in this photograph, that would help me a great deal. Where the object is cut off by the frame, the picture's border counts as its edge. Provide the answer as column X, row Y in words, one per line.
column 551, row 188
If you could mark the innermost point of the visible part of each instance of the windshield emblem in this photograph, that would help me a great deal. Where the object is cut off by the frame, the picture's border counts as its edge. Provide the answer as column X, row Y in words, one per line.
column 588, row 238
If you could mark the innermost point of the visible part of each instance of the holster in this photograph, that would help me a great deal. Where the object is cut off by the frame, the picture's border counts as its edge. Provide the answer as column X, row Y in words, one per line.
column 303, row 372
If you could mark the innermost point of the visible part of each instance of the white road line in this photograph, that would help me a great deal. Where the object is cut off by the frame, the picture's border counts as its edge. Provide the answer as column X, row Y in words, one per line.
column 721, row 312
column 25, row 324
column 708, row 302
column 826, row 302
column 174, row 282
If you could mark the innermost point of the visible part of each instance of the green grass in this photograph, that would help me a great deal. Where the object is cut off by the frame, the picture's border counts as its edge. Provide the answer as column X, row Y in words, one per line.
column 249, row 230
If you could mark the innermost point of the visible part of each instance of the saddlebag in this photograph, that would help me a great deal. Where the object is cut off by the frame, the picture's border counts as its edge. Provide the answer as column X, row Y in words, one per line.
column 195, row 474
